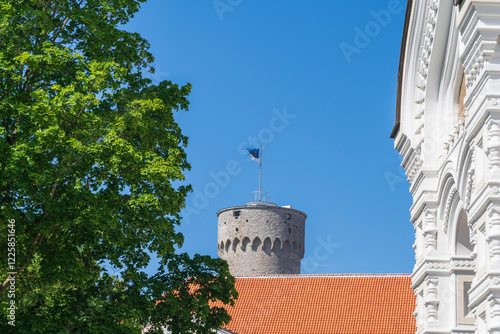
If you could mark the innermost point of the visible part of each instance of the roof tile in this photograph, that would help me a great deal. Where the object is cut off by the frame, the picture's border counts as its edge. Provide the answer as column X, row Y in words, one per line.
column 343, row 304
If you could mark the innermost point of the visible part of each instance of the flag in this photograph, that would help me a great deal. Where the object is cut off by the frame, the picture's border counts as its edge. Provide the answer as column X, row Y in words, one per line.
column 254, row 154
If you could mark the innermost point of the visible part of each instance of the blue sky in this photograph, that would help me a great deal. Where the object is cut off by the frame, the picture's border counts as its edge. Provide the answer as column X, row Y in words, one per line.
column 313, row 82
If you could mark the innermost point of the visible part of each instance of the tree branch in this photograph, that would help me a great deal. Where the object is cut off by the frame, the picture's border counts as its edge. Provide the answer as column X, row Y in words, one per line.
column 38, row 240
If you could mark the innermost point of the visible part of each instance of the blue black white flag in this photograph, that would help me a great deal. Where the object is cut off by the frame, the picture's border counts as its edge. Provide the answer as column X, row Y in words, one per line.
column 254, row 154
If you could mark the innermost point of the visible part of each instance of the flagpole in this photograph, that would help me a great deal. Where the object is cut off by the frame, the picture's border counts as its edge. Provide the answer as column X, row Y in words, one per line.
column 260, row 172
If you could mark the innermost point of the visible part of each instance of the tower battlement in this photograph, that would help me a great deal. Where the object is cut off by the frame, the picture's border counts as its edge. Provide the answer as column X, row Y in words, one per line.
column 261, row 238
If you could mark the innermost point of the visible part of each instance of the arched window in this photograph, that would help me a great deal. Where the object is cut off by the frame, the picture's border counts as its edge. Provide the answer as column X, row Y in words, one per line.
column 267, row 245
column 463, row 245
column 256, row 244
column 244, row 244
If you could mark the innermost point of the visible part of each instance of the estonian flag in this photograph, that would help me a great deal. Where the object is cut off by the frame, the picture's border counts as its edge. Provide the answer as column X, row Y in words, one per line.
column 254, row 154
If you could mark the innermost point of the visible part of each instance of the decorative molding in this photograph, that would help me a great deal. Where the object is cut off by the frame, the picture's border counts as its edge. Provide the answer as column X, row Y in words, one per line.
column 430, row 228
column 413, row 163
column 476, row 65
column 427, row 41
column 493, row 145
column 493, row 102
column 438, row 265
column 473, row 238
column 493, row 236
column 453, row 138
column 432, row 299
column 494, row 308
column 449, row 203
column 462, row 264
column 494, row 280
column 479, row 35
column 415, row 246
column 419, row 309
column 494, row 189
column 469, row 189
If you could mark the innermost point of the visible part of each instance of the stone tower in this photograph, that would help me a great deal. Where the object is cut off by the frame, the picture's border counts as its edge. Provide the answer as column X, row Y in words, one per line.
column 261, row 238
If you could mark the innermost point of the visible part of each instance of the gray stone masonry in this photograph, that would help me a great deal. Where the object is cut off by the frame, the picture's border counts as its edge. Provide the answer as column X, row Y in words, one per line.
column 261, row 239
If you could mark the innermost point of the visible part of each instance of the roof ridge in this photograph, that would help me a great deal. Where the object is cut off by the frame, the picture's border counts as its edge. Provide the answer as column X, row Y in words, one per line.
column 326, row 275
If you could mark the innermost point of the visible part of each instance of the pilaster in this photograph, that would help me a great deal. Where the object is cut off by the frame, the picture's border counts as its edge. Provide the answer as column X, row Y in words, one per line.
column 430, row 229
column 493, row 146
column 494, row 313
column 432, row 300
column 493, row 237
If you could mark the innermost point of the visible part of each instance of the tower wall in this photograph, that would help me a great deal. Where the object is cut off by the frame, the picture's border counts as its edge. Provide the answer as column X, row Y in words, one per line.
column 261, row 239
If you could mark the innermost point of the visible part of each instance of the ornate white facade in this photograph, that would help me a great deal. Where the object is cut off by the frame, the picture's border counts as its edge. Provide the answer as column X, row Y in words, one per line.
column 448, row 132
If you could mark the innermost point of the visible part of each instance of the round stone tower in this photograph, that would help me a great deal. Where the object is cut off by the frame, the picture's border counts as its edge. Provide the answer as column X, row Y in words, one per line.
column 261, row 238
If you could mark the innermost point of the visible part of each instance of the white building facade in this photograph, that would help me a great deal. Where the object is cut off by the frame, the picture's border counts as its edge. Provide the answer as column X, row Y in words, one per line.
column 448, row 132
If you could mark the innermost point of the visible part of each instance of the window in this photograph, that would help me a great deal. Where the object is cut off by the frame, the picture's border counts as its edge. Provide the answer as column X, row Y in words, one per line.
column 467, row 286
column 463, row 245
column 464, row 317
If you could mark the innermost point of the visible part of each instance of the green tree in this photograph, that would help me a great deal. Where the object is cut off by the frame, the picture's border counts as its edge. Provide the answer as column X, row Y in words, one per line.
column 91, row 160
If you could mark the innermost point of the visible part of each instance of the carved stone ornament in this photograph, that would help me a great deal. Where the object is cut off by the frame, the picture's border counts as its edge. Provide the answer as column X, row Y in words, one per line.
column 430, row 228
column 495, row 102
column 432, row 299
column 470, row 179
column 413, row 163
column 428, row 35
column 447, row 211
column 493, row 236
column 493, row 147
column 494, row 307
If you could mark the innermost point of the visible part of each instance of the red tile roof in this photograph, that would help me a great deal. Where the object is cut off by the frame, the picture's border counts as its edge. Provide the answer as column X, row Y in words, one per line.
column 343, row 304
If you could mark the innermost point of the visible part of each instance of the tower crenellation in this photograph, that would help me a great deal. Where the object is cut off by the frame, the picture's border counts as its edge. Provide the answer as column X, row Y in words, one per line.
column 261, row 238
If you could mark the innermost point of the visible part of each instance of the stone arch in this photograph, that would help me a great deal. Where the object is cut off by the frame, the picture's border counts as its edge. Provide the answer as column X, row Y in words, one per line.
column 256, row 244
column 466, row 176
column 451, row 206
column 236, row 241
column 267, row 246
column 448, row 195
column 228, row 244
column 294, row 247
column 286, row 246
column 277, row 245
column 221, row 246
column 245, row 243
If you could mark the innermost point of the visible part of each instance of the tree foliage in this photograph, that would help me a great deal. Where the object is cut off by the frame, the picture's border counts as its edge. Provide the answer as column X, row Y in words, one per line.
column 90, row 159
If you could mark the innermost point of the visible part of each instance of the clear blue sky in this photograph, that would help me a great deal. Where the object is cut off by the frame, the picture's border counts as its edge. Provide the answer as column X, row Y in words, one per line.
column 318, row 94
